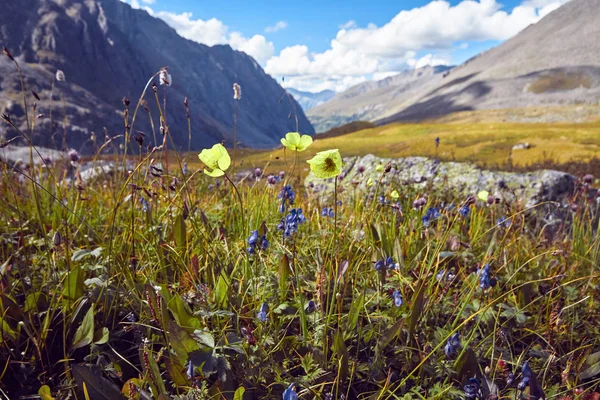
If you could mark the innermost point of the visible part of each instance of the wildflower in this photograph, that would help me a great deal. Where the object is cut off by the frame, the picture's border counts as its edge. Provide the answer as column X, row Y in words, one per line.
column 295, row 142
column 485, row 281
column 503, row 222
column 74, row 156
column 190, row 370
column 464, row 211
column 184, row 169
column 443, row 275
column 385, row 264
column 262, row 313
column 287, row 196
column 271, row 180
column 483, row 195
column 326, row 164
column 525, row 376
column 381, row 200
column 290, row 393
column 311, row 307
column 419, row 203
column 379, row 167
column 370, row 182
column 165, row 78
column 327, row 212
column 254, row 242
column 432, row 214
column 257, row 173
column 395, row 195
column 281, row 175
column 57, row 239
column 361, row 169
column 237, row 92
column 588, row 179
column 289, row 224
column 472, row 389
column 397, row 298
column 60, row 76
column 217, row 159
column 145, row 204
column 452, row 346
column 437, row 142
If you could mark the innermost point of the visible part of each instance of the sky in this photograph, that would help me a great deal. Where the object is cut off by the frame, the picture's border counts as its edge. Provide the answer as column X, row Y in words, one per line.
column 334, row 44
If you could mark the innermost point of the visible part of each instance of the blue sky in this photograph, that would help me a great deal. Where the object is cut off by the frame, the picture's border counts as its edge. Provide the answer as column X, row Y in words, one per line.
column 331, row 44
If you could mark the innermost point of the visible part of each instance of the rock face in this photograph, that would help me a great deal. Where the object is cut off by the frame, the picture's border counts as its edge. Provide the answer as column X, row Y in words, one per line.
column 108, row 51
column 463, row 179
column 310, row 100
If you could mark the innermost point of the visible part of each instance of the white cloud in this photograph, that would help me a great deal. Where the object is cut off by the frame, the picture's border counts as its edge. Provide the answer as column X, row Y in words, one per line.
column 428, row 60
column 382, row 50
column 148, row 1
column 348, row 25
column 211, row 32
column 277, row 27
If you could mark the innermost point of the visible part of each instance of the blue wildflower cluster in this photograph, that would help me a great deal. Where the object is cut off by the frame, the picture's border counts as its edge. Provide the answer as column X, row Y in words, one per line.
column 452, row 346
column 289, row 224
column 485, row 280
column 503, row 222
column 327, row 212
column 256, row 243
column 397, row 298
column 145, row 204
column 290, row 393
column 443, row 275
column 525, row 376
column 263, row 312
column 464, row 211
column 287, row 197
column 430, row 216
column 472, row 389
column 383, row 265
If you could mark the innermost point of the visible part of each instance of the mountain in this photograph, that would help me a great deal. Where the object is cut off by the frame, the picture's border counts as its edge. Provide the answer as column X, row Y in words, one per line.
column 371, row 100
column 109, row 51
column 553, row 62
column 310, row 100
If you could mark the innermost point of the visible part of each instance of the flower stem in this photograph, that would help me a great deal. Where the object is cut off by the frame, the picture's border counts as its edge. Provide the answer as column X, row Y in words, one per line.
column 239, row 197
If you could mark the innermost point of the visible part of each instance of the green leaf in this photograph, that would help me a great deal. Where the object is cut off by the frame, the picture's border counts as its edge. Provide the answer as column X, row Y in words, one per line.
column 74, row 285
column 390, row 335
column 592, row 362
column 221, row 294
column 284, row 271
column 101, row 336
column 179, row 232
column 340, row 348
column 182, row 342
column 239, row 393
column 182, row 313
column 80, row 254
column 45, row 393
column 416, row 309
column 98, row 387
column 354, row 312
column 85, row 333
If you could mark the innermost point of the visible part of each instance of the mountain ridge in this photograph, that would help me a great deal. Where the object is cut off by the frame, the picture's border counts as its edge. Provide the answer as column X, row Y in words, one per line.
column 109, row 51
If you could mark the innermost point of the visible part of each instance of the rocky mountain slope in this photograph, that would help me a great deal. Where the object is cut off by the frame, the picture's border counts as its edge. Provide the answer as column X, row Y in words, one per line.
column 553, row 62
column 371, row 100
column 108, row 51
column 310, row 100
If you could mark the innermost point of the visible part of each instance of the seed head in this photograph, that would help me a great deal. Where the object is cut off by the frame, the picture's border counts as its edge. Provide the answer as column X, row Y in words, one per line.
column 60, row 75
column 7, row 53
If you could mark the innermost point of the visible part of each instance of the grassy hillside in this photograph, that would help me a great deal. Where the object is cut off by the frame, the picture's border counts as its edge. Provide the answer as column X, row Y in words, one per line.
column 463, row 138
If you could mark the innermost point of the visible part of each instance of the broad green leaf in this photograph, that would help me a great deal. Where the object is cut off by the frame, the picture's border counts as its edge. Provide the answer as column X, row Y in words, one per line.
column 98, row 387
column 221, row 294
column 340, row 348
column 239, row 393
column 182, row 342
column 592, row 364
column 45, row 393
column 74, row 286
column 85, row 333
column 101, row 336
column 182, row 313
column 179, row 233
column 354, row 312
column 416, row 309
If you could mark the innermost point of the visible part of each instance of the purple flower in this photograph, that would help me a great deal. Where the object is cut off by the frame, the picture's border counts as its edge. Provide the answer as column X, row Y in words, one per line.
column 485, row 280
column 503, row 222
column 289, row 224
column 397, row 298
column 464, row 211
column 472, row 389
column 311, row 307
column 287, row 196
column 327, row 212
column 290, row 393
column 452, row 346
column 256, row 243
column 262, row 313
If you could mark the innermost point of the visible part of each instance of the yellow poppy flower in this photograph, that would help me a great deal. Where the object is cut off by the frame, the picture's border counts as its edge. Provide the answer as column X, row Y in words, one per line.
column 295, row 142
column 326, row 164
column 216, row 159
